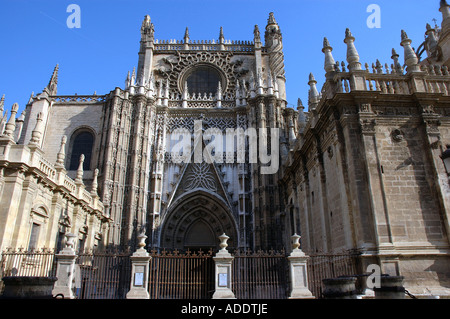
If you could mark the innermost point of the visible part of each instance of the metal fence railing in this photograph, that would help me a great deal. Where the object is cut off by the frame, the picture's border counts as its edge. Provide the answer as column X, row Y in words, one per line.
column 32, row 263
column 181, row 275
column 103, row 275
column 325, row 266
column 260, row 275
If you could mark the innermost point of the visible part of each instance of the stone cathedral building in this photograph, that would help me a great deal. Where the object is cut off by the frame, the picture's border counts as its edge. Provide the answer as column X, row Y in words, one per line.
column 361, row 167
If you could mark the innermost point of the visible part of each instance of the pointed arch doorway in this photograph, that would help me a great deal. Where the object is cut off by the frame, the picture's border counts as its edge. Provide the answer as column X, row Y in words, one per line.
column 196, row 220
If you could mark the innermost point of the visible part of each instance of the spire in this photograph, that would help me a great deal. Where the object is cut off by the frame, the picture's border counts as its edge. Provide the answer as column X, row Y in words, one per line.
column 272, row 35
column 186, row 35
column 301, row 121
column 221, row 36
column 271, row 20
column 330, row 64
column 313, row 93
column 80, row 171
column 133, row 77
column 36, row 134
column 51, row 88
column 95, row 184
column 147, row 30
column 257, row 36
column 352, row 53
column 411, row 59
column 11, row 125
column 221, row 40
column 61, row 156
column 397, row 66
column 127, row 81
column 30, row 100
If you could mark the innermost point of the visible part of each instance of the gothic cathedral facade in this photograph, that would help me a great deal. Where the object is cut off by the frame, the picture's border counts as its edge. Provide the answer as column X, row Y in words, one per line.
column 200, row 141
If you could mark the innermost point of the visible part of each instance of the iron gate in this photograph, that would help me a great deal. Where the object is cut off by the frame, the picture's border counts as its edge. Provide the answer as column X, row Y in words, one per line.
column 181, row 275
column 103, row 275
column 260, row 275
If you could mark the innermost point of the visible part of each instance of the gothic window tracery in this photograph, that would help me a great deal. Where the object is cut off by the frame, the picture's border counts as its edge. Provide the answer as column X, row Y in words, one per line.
column 82, row 143
column 203, row 79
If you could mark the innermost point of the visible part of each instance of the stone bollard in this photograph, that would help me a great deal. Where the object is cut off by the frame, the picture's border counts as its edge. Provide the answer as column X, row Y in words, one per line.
column 223, row 261
column 65, row 271
column 391, row 288
column 28, row 287
column 298, row 271
column 139, row 272
column 340, row 288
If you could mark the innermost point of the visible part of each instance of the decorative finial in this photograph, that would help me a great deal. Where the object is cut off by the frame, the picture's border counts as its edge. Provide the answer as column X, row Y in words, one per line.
column 313, row 93
column 411, row 59
column 404, row 35
column 11, row 124
column 295, row 242
column 352, row 53
column 271, row 19
column 257, row 34
column 186, row 35
column 221, row 36
column 223, row 242
column 80, row 170
column 51, row 88
column 147, row 22
column 95, row 184
column 141, row 237
column 348, row 33
column 36, row 134
column 61, row 156
column 330, row 64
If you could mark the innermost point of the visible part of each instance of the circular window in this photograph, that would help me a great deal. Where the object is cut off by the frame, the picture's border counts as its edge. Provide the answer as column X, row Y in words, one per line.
column 203, row 79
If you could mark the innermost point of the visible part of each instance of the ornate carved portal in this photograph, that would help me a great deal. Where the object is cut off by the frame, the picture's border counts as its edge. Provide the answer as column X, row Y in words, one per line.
column 196, row 220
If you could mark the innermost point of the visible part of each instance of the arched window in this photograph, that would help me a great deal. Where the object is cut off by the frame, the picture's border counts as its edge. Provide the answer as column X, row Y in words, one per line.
column 203, row 79
column 82, row 144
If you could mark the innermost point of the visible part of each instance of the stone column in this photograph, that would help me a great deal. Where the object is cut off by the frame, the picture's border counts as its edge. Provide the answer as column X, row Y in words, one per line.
column 223, row 261
column 65, row 271
column 139, row 272
column 298, row 271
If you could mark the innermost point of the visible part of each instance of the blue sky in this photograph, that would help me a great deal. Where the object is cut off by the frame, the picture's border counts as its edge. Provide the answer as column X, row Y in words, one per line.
column 96, row 57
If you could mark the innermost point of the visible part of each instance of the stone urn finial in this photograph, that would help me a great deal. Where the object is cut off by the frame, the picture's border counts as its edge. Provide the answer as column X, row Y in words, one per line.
column 141, row 239
column 70, row 238
column 295, row 242
column 223, row 242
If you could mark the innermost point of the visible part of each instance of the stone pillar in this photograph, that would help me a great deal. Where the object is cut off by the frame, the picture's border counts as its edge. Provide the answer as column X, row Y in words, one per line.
column 391, row 288
column 223, row 261
column 139, row 272
column 298, row 271
column 65, row 271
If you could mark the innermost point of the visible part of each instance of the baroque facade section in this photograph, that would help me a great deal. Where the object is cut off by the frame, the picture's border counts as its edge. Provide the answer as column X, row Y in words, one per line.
column 40, row 202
